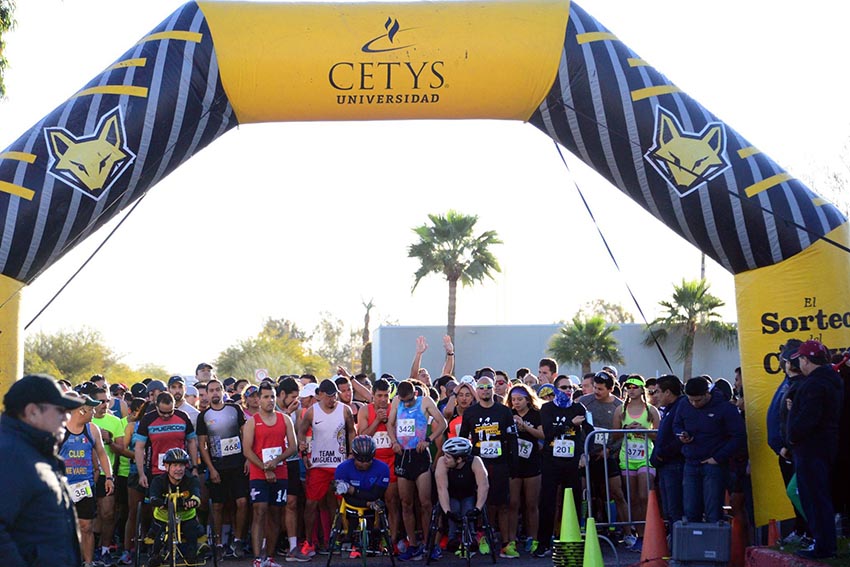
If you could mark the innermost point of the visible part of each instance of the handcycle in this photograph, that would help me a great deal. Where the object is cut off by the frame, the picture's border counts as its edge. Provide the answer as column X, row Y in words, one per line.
column 468, row 525
column 377, row 535
column 170, row 542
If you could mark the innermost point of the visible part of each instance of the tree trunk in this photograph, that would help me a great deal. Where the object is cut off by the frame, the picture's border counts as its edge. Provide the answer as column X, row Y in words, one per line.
column 450, row 327
column 687, row 370
column 585, row 367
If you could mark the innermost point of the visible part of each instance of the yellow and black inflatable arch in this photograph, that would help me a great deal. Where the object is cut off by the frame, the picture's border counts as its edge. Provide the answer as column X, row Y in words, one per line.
column 213, row 65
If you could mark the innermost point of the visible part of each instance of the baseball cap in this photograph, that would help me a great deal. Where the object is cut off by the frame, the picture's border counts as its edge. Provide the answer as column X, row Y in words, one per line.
column 250, row 391
column 545, row 390
column 468, row 379
column 156, row 385
column 88, row 400
column 229, row 381
column 308, row 390
column 175, row 379
column 812, row 349
column 139, row 390
column 790, row 349
column 203, row 365
column 39, row 389
column 113, row 388
column 328, row 387
column 191, row 391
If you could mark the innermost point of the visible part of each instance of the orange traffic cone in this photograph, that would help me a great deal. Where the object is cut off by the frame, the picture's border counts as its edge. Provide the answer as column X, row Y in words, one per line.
column 654, row 537
column 772, row 534
column 739, row 539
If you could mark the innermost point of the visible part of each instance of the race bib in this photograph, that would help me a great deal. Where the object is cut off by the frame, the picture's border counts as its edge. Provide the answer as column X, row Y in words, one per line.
column 270, row 453
column 406, row 428
column 636, row 450
column 231, row 446
column 161, row 462
column 80, row 490
column 564, row 448
column 382, row 440
column 525, row 448
column 490, row 449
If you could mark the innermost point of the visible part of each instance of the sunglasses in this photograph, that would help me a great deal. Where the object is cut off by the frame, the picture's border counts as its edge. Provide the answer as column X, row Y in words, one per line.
column 484, row 387
column 500, row 382
column 564, row 387
column 652, row 392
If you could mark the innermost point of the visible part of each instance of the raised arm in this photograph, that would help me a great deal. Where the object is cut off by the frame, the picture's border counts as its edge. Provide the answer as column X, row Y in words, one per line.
column 449, row 364
column 421, row 347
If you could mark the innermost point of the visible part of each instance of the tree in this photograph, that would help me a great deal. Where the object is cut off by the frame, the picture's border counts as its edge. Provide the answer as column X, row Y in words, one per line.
column 584, row 340
column 369, row 305
column 447, row 246
column 692, row 311
column 331, row 342
column 7, row 22
column 610, row 312
column 279, row 347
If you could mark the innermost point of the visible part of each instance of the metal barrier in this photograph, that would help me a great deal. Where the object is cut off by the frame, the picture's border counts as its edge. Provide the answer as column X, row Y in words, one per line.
column 644, row 444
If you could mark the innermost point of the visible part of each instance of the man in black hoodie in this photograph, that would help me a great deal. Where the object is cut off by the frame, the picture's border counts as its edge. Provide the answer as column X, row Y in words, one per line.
column 813, row 434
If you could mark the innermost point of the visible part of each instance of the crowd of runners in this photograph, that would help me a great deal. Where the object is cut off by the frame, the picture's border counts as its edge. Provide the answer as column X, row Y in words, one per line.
column 274, row 457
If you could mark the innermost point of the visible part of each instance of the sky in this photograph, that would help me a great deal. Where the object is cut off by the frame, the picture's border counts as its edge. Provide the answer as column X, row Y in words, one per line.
column 326, row 209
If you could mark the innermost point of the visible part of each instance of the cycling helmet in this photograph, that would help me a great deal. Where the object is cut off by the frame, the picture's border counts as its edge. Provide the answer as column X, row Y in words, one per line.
column 363, row 448
column 458, row 447
column 176, row 455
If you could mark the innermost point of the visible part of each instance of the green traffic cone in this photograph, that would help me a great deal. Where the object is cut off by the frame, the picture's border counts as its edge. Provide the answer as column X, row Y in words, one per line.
column 569, row 523
column 592, row 551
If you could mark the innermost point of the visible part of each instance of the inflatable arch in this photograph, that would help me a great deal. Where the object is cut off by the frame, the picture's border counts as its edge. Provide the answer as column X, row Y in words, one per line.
column 213, row 65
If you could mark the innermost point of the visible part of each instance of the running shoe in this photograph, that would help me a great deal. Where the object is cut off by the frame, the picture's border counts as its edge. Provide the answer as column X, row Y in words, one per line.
column 444, row 541
column 483, row 546
column 258, row 562
column 412, row 553
column 509, row 551
column 436, row 553
column 793, row 537
column 637, row 546
column 237, row 548
column 531, row 546
column 269, row 562
column 296, row 555
column 307, row 549
column 543, row 552
column 228, row 552
column 126, row 558
column 354, row 553
column 629, row 541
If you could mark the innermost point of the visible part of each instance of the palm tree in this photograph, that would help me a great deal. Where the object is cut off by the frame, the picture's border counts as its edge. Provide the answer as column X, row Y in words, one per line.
column 585, row 340
column 691, row 311
column 7, row 22
column 448, row 247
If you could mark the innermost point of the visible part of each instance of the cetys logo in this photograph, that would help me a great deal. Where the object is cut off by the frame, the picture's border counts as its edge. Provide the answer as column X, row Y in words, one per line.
column 686, row 160
column 90, row 163
column 386, row 42
column 388, row 72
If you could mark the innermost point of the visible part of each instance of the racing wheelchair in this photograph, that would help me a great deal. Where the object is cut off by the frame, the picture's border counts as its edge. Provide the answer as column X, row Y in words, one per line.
column 468, row 531
column 168, row 547
column 367, row 526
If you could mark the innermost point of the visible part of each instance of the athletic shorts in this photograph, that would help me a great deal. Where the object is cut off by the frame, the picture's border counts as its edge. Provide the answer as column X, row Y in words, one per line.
column 233, row 485
column 319, row 480
column 86, row 508
column 293, row 471
column 100, row 489
column 499, row 476
column 390, row 462
column 271, row 493
column 411, row 464
column 597, row 469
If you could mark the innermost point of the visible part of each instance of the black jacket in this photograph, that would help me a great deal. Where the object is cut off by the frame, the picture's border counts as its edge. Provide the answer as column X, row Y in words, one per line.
column 816, row 412
column 38, row 524
column 668, row 449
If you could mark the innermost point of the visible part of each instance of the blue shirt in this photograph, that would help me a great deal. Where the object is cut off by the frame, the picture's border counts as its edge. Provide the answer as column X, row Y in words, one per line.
column 369, row 485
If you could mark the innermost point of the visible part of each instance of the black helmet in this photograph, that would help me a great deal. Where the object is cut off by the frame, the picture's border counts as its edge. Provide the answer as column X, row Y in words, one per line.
column 363, row 448
column 176, row 455
column 458, row 447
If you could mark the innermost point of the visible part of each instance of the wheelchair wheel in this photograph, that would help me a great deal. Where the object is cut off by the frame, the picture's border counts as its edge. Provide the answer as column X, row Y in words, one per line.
column 386, row 538
column 432, row 533
column 140, row 538
column 364, row 540
column 336, row 527
column 171, row 541
column 467, row 539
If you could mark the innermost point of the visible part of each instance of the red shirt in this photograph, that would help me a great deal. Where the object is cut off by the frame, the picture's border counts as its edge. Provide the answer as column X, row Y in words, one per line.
column 381, row 437
column 269, row 442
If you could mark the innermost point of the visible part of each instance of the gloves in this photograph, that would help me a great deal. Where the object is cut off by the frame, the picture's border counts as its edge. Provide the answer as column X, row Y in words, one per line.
column 473, row 514
column 341, row 487
column 455, row 517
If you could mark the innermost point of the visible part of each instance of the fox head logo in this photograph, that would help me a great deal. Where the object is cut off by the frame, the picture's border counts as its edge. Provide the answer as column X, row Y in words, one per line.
column 686, row 160
column 90, row 163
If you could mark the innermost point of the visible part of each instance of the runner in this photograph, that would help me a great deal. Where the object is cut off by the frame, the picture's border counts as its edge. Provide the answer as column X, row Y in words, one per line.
column 251, row 401
column 332, row 427
column 462, row 399
column 269, row 441
column 220, row 441
column 373, row 422
column 525, row 480
column 81, row 448
column 177, row 387
column 288, row 391
column 547, row 370
column 407, row 427
column 565, row 427
column 161, row 429
column 636, row 414
column 492, row 430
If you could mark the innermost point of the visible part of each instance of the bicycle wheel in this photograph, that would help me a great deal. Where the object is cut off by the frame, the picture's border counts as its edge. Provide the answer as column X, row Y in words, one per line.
column 172, row 534
column 212, row 540
column 137, row 556
column 491, row 535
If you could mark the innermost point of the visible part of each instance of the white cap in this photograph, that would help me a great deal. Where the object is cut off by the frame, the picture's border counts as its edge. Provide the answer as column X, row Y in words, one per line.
column 308, row 390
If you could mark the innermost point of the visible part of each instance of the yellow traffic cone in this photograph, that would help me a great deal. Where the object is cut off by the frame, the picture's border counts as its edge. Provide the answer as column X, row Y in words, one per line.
column 592, row 551
column 569, row 522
